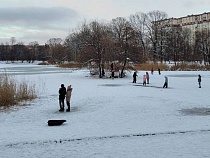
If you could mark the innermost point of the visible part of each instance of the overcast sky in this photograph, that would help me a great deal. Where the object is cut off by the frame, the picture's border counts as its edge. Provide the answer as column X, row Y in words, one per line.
column 40, row 20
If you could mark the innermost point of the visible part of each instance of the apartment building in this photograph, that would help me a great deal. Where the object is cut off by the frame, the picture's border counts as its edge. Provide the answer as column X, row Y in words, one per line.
column 199, row 22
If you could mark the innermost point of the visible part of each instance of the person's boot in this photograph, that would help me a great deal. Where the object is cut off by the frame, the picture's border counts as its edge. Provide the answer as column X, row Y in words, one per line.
column 68, row 110
column 61, row 110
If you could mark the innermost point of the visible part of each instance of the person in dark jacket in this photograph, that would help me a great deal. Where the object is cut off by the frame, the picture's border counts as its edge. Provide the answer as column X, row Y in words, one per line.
column 159, row 71
column 147, row 76
column 199, row 81
column 62, row 94
column 134, row 77
column 112, row 66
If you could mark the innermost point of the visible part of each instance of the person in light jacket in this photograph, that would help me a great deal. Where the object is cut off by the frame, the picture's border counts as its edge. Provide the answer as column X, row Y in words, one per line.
column 166, row 82
column 144, row 80
column 68, row 97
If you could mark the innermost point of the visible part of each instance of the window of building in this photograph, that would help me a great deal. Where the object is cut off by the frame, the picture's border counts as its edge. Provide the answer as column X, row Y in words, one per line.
column 204, row 25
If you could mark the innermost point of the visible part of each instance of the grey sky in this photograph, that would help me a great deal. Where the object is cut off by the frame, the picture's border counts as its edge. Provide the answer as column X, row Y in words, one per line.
column 41, row 20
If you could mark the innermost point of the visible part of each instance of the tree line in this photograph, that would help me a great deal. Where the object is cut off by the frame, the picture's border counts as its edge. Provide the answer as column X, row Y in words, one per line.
column 139, row 38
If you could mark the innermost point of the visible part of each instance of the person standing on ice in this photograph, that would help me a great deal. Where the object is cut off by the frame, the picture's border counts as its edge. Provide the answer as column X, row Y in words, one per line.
column 112, row 66
column 62, row 94
column 199, row 81
column 147, row 76
column 152, row 70
column 68, row 97
column 166, row 82
column 134, row 77
column 159, row 71
column 144, row 80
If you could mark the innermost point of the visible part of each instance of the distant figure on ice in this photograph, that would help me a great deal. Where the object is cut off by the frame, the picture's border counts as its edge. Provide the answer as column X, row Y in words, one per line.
column 112, row 75
column 166, row 82
column 103, row 73
column 199, row 81
column 112, row 66
column 147, row 76
column 159, row 71
column 68, row 97
column 152, row 70
column 134, row 77
column 144, row 80
column 62, row 93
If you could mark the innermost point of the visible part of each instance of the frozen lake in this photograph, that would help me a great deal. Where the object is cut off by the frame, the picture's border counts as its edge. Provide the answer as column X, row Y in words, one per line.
column 109, row 117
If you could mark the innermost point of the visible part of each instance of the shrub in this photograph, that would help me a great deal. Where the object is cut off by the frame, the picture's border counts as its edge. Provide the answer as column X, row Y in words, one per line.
column 70, row 65
column 149, row 66
column 189, row 67
column 12, row 92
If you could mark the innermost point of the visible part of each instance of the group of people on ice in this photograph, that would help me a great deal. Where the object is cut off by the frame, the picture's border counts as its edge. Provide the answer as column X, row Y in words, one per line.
column 145, row 78
column 64, row 94
column 165, row 85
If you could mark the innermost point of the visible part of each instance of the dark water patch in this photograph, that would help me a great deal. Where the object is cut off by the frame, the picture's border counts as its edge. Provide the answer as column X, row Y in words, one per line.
column 196, row 111
column 112, row 85
column 183, row 75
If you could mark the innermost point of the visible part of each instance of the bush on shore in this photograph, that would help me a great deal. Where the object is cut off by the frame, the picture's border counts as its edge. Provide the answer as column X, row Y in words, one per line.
column 12, row 92
column 70, row 65
column 148, row 66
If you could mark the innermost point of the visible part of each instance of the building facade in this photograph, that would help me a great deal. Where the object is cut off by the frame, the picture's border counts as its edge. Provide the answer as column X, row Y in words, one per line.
column 199, row 22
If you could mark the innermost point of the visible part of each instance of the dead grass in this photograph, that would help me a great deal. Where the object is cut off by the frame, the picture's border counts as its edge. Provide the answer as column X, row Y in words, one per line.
column 70, row 65
column 189, row 67
column 149, row 66
column 12, row 92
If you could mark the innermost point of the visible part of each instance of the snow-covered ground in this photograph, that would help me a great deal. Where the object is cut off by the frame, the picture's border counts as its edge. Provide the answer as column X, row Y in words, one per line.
column 112, row 118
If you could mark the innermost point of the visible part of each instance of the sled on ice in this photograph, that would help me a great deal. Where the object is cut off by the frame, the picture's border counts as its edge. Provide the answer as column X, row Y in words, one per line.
column 55, row 122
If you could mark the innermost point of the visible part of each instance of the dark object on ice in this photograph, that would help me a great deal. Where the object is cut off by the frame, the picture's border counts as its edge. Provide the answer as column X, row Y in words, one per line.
column 55, row 122
column 199, row 81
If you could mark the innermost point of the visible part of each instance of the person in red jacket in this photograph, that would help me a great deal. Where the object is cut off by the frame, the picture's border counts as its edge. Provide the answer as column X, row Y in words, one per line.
column 152, row 70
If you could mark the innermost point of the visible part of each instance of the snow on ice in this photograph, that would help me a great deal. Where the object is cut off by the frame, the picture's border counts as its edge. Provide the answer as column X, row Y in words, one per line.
column 109, row 117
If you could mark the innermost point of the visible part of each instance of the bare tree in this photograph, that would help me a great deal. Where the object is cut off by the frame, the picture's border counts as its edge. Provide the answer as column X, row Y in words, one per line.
column 138, row 22
column 56, row 50
column 13, row 40
column 121, row 34
column 97, row 40
column 154, row 28
column 202, row 46
column 33, row 46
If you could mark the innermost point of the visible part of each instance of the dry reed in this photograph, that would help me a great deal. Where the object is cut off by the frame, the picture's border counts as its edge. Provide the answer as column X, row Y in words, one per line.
column 12, row 92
